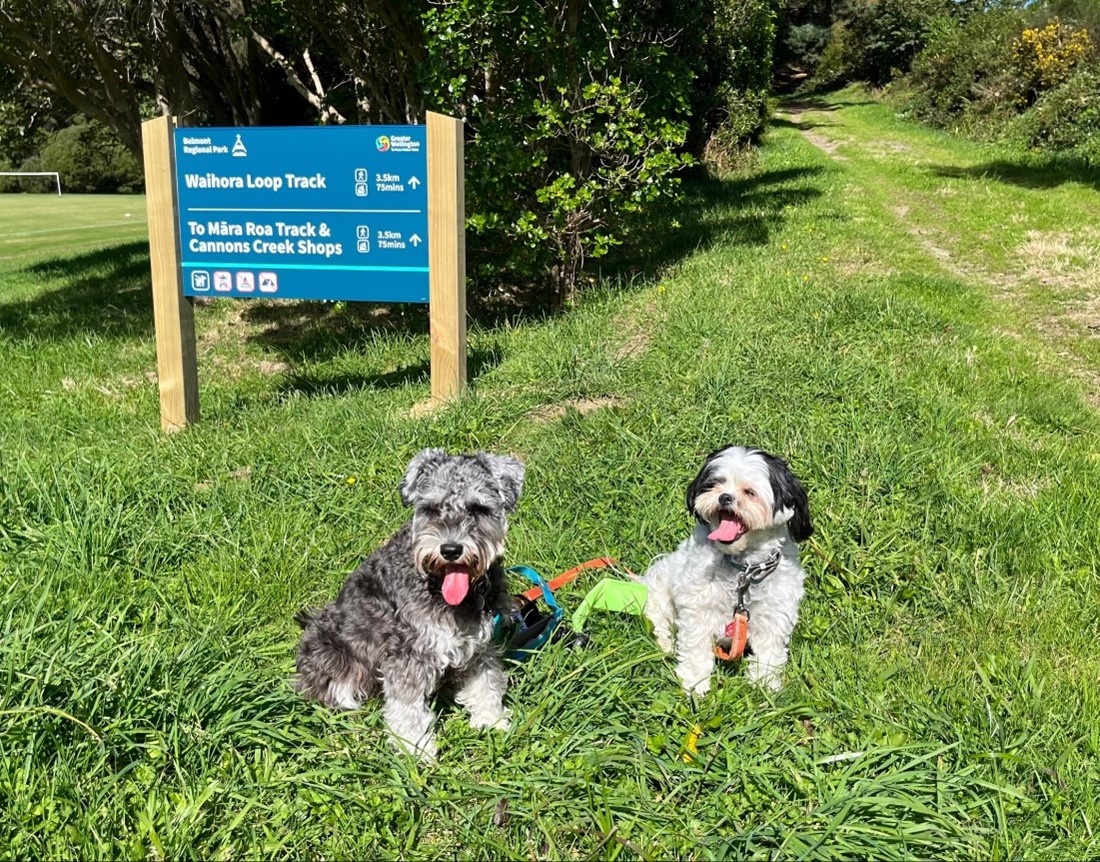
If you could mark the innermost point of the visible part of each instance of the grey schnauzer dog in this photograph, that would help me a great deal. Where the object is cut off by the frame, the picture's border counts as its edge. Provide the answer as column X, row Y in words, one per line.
column 418, row 613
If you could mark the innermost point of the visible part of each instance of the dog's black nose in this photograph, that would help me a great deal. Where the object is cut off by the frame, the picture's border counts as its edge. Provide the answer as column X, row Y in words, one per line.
column 450, row 551
column 725, row 500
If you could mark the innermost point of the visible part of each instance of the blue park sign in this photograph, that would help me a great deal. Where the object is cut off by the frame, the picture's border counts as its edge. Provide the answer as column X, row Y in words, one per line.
column 326, row 212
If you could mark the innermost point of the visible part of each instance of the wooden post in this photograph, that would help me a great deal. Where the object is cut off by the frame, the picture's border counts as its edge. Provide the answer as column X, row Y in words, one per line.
column 446, row 255
column 173, row 313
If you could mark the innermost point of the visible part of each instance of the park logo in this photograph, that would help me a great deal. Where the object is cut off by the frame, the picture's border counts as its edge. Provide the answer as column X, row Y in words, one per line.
column 383, row 143
column 239, row 149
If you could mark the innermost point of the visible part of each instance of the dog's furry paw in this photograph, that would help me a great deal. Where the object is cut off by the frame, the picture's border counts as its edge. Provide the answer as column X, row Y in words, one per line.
column 770, row 678
column 696, row 687
column 664, row 640
column 424, row 749
column 499, row 721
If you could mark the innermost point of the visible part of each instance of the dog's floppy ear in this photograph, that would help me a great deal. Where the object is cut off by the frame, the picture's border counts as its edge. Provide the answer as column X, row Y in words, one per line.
column 509, row 473
column 420, row 468
column 699, row 483
column 791, row 502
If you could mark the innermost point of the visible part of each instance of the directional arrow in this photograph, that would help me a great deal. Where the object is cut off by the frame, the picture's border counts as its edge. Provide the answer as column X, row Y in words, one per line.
column 415, row 240
column 414, row 182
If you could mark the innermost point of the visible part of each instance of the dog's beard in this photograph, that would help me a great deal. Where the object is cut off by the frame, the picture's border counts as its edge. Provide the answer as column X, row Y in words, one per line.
column 459, row 575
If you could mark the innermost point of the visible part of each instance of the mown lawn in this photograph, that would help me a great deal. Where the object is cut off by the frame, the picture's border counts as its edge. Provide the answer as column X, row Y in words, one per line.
column 942, row 695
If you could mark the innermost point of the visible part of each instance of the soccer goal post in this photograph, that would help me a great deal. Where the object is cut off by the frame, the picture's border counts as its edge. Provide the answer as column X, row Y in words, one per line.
column 53, row 174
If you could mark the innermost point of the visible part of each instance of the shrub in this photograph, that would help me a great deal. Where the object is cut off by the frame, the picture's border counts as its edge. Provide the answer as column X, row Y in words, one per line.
column 992, row 76
column 806, row 42
column 964, row 79
column 1046, row 56
column 833, row 67
column 737, row 75
column 1067, row 118
column 91, row 159
column 730, row 145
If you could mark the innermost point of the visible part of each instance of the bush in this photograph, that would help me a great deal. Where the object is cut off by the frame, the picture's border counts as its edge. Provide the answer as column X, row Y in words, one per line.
column 834, row 69
column 730, row 145
column 964, row 79
column 806, row 42
column 729, row 61
column 1081, row 13
column 1046, row 56
column 736, row 76
column 1066, row 118
column 91, row 160
column 1002, row 73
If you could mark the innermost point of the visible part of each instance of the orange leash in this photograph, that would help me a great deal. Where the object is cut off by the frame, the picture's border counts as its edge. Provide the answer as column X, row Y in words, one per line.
column 732, row 646
column 567, row 577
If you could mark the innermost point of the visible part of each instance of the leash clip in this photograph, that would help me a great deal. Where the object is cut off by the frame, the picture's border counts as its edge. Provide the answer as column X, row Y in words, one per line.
column 731, row 646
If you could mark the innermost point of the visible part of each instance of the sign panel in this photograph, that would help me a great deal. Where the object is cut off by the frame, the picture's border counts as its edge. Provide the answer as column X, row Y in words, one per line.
column 318, row 212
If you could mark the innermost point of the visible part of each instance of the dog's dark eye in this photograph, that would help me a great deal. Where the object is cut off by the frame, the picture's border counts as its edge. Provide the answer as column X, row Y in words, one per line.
column 479, row 511
column 749, row 492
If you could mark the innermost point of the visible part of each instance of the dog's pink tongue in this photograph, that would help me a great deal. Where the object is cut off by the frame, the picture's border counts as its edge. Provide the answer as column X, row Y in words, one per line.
column 728, row 531
column 456, row 583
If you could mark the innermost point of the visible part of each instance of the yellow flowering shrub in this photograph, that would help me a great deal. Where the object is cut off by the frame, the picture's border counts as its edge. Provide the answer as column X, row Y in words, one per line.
column 1048, row 55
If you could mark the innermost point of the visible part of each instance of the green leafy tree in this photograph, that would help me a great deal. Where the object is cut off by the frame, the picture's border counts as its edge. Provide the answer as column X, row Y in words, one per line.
column 122, row 61
column 885, row 35
column 581, row 114
column 575, row 120
column 803, row 31
column 90, row 159
column 25, row 118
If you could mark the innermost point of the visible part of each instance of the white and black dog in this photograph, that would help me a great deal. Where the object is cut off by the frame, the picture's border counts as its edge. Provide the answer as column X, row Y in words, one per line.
column 419, row 611
column 751, row 512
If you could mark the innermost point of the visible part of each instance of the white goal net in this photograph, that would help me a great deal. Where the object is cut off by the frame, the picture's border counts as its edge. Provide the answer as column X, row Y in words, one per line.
column 42, row 181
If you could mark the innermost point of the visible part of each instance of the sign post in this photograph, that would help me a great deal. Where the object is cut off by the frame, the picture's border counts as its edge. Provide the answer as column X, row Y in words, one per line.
column 447, row 255
column 173, row 313
column 356, row 213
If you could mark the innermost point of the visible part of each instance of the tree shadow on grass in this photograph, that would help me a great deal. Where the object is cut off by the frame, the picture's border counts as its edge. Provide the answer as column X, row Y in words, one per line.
column 810, row 102
column 712, row 212
column 105, row 292
column 802, row 125
column 315, row 331
column 318, row 332
column 320, row 384
column 1046, row 174
column 813, row 105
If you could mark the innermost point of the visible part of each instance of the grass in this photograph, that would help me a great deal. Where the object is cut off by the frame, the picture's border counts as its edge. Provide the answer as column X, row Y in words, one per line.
column 941, row 699
column 33, row 224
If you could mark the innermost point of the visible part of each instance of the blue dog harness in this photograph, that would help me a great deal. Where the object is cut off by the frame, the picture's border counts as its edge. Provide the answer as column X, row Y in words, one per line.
column 526, row 629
